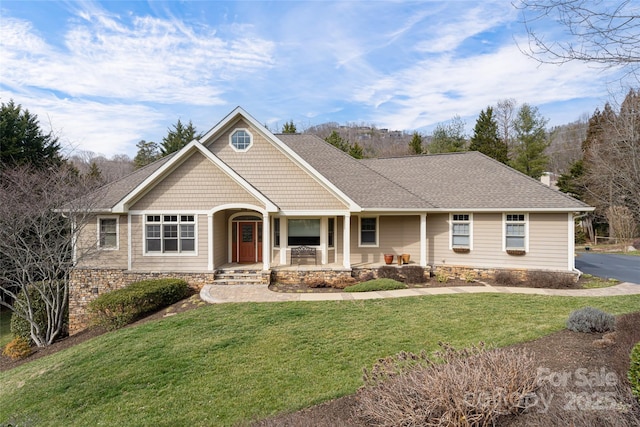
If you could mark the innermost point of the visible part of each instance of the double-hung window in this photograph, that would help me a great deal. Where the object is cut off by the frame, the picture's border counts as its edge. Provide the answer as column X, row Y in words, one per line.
column 170, row 234
column 108, row 233
column 515, row 231
column 461, row 231
column 368, row 231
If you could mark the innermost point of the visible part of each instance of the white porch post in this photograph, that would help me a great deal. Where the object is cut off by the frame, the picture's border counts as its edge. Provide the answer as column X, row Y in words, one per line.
column 423, row 240
column 266, row 242
column 284, row 238
column 210, row 265
column 323, row 240
column 346, row 241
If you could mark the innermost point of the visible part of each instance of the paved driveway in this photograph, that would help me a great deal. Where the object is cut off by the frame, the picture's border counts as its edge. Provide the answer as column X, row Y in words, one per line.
column 622, row 267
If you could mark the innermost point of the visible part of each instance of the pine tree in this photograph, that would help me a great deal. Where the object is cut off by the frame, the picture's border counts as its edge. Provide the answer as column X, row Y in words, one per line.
column 178, row 138
column 289, row 127
column 531, row 142
column 148, row 152
column 337, row 141
column 485, row 137
column 356, row 151
column 415, row 145
column 23, row 142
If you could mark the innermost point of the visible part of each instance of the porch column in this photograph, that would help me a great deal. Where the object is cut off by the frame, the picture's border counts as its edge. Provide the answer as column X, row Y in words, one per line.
column 266, row 242
column 346, row 241
column 210, row 237
column 423, row 240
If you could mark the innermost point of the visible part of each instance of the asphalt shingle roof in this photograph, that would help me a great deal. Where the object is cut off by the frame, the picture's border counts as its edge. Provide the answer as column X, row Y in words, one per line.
column 455, row 181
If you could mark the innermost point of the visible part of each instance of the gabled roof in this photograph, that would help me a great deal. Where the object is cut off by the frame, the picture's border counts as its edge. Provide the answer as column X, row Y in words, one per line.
column 150, row 177
column 446, row 182
column 472, row 181
column 367, row 187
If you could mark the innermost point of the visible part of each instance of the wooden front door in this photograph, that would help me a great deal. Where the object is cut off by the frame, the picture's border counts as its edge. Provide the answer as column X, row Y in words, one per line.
column 247, row 242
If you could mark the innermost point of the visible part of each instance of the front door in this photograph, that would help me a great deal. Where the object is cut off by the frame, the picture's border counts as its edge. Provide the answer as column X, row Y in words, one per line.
column 247, row 242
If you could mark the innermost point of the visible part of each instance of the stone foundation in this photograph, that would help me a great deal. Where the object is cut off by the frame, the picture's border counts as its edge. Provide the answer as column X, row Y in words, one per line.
column 464, row 273
column 87, row 285
column 333, row 278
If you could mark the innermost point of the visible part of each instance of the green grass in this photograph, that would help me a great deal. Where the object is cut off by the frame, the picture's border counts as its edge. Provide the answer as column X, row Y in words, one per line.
column 593, row 282
column 5, row 327
column 376, row 285
column 229, row 363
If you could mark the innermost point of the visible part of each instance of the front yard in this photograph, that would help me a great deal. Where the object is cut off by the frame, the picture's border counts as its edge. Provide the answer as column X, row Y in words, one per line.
column 232, row 363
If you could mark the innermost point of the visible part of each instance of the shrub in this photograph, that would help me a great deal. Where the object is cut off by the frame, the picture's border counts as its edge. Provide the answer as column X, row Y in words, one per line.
column 442, row 277
column 471, row 386
column 550, row 279
column 388, row 272
column 376, row 285
column 506, row 278
column 20, row 327
column 589, row 319
column 413, row 274
column 469, row 277
column 634, row 371
column 18, row 348
column 121, row 307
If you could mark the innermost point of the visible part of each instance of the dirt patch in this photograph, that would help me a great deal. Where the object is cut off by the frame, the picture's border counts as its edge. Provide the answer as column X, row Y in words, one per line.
column 583, row 382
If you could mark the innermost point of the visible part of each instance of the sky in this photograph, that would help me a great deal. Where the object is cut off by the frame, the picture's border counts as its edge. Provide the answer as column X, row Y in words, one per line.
column 104, row 75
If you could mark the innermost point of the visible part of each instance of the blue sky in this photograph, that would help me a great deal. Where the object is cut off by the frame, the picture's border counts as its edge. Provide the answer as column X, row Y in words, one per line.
column 104, row 75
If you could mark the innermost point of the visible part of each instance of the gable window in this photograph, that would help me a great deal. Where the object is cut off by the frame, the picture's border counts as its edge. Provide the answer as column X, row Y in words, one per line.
column 108, row 233
column 170, row 234
column 461, row 231
column 515, row 231
column 241, row 140
column 368, row 231
column 304, row 232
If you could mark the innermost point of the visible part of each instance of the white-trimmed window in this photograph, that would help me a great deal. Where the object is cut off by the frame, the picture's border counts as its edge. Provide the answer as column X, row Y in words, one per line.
column 241, row 140
column 515, row 231
column 108, row 233
column 170, row 233
column 331, row 232
column 461, row 230
column 368, row 231
column 303, row 232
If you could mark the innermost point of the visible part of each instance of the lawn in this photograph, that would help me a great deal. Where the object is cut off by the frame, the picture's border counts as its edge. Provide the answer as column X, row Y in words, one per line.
column 229, row 363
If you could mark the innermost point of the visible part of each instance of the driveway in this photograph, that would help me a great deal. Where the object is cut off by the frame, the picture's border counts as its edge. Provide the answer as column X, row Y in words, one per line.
column 625, row 268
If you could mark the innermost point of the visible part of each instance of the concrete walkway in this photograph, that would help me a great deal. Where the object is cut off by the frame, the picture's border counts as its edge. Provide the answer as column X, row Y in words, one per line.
column 216, row 294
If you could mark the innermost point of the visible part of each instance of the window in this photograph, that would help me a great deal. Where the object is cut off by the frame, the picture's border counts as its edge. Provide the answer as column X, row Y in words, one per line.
column 369, row 231
column 241, row 140
column 461, row 231
column 170, row 234
column 330, row 232
column 108, row 233
column 515, row 231
column 304, row 232
column 276, row 231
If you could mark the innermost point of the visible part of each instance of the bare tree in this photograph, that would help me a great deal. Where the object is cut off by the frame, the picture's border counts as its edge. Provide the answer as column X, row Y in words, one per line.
column 612, row 157
column 622, row 226
column 41, row 213
column 598, row 32
column 505, row 112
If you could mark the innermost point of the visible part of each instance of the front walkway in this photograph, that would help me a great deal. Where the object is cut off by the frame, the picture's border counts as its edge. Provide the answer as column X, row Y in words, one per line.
column 216, row 294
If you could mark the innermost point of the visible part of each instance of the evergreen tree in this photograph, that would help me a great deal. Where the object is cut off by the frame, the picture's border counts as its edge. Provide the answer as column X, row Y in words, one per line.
column 415, row 145
column 531, row 142
column 94, row 175
column 148, row 152
column 571, row 182
column 448, row 138
column 337, row 141
column 289, row 127
column 23, row 142
column 485, row 137
column 178, row 137
column 356, row 151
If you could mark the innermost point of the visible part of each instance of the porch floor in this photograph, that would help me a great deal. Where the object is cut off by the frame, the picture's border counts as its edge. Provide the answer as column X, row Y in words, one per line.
column 299, row 267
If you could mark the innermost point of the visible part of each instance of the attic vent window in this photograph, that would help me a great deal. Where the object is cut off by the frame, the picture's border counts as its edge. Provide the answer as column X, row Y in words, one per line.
column 241, row 140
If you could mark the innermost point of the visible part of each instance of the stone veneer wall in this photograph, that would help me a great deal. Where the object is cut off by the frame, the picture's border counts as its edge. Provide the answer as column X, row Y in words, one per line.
column 329, row 277
column 462, row 272
column 87, row 285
